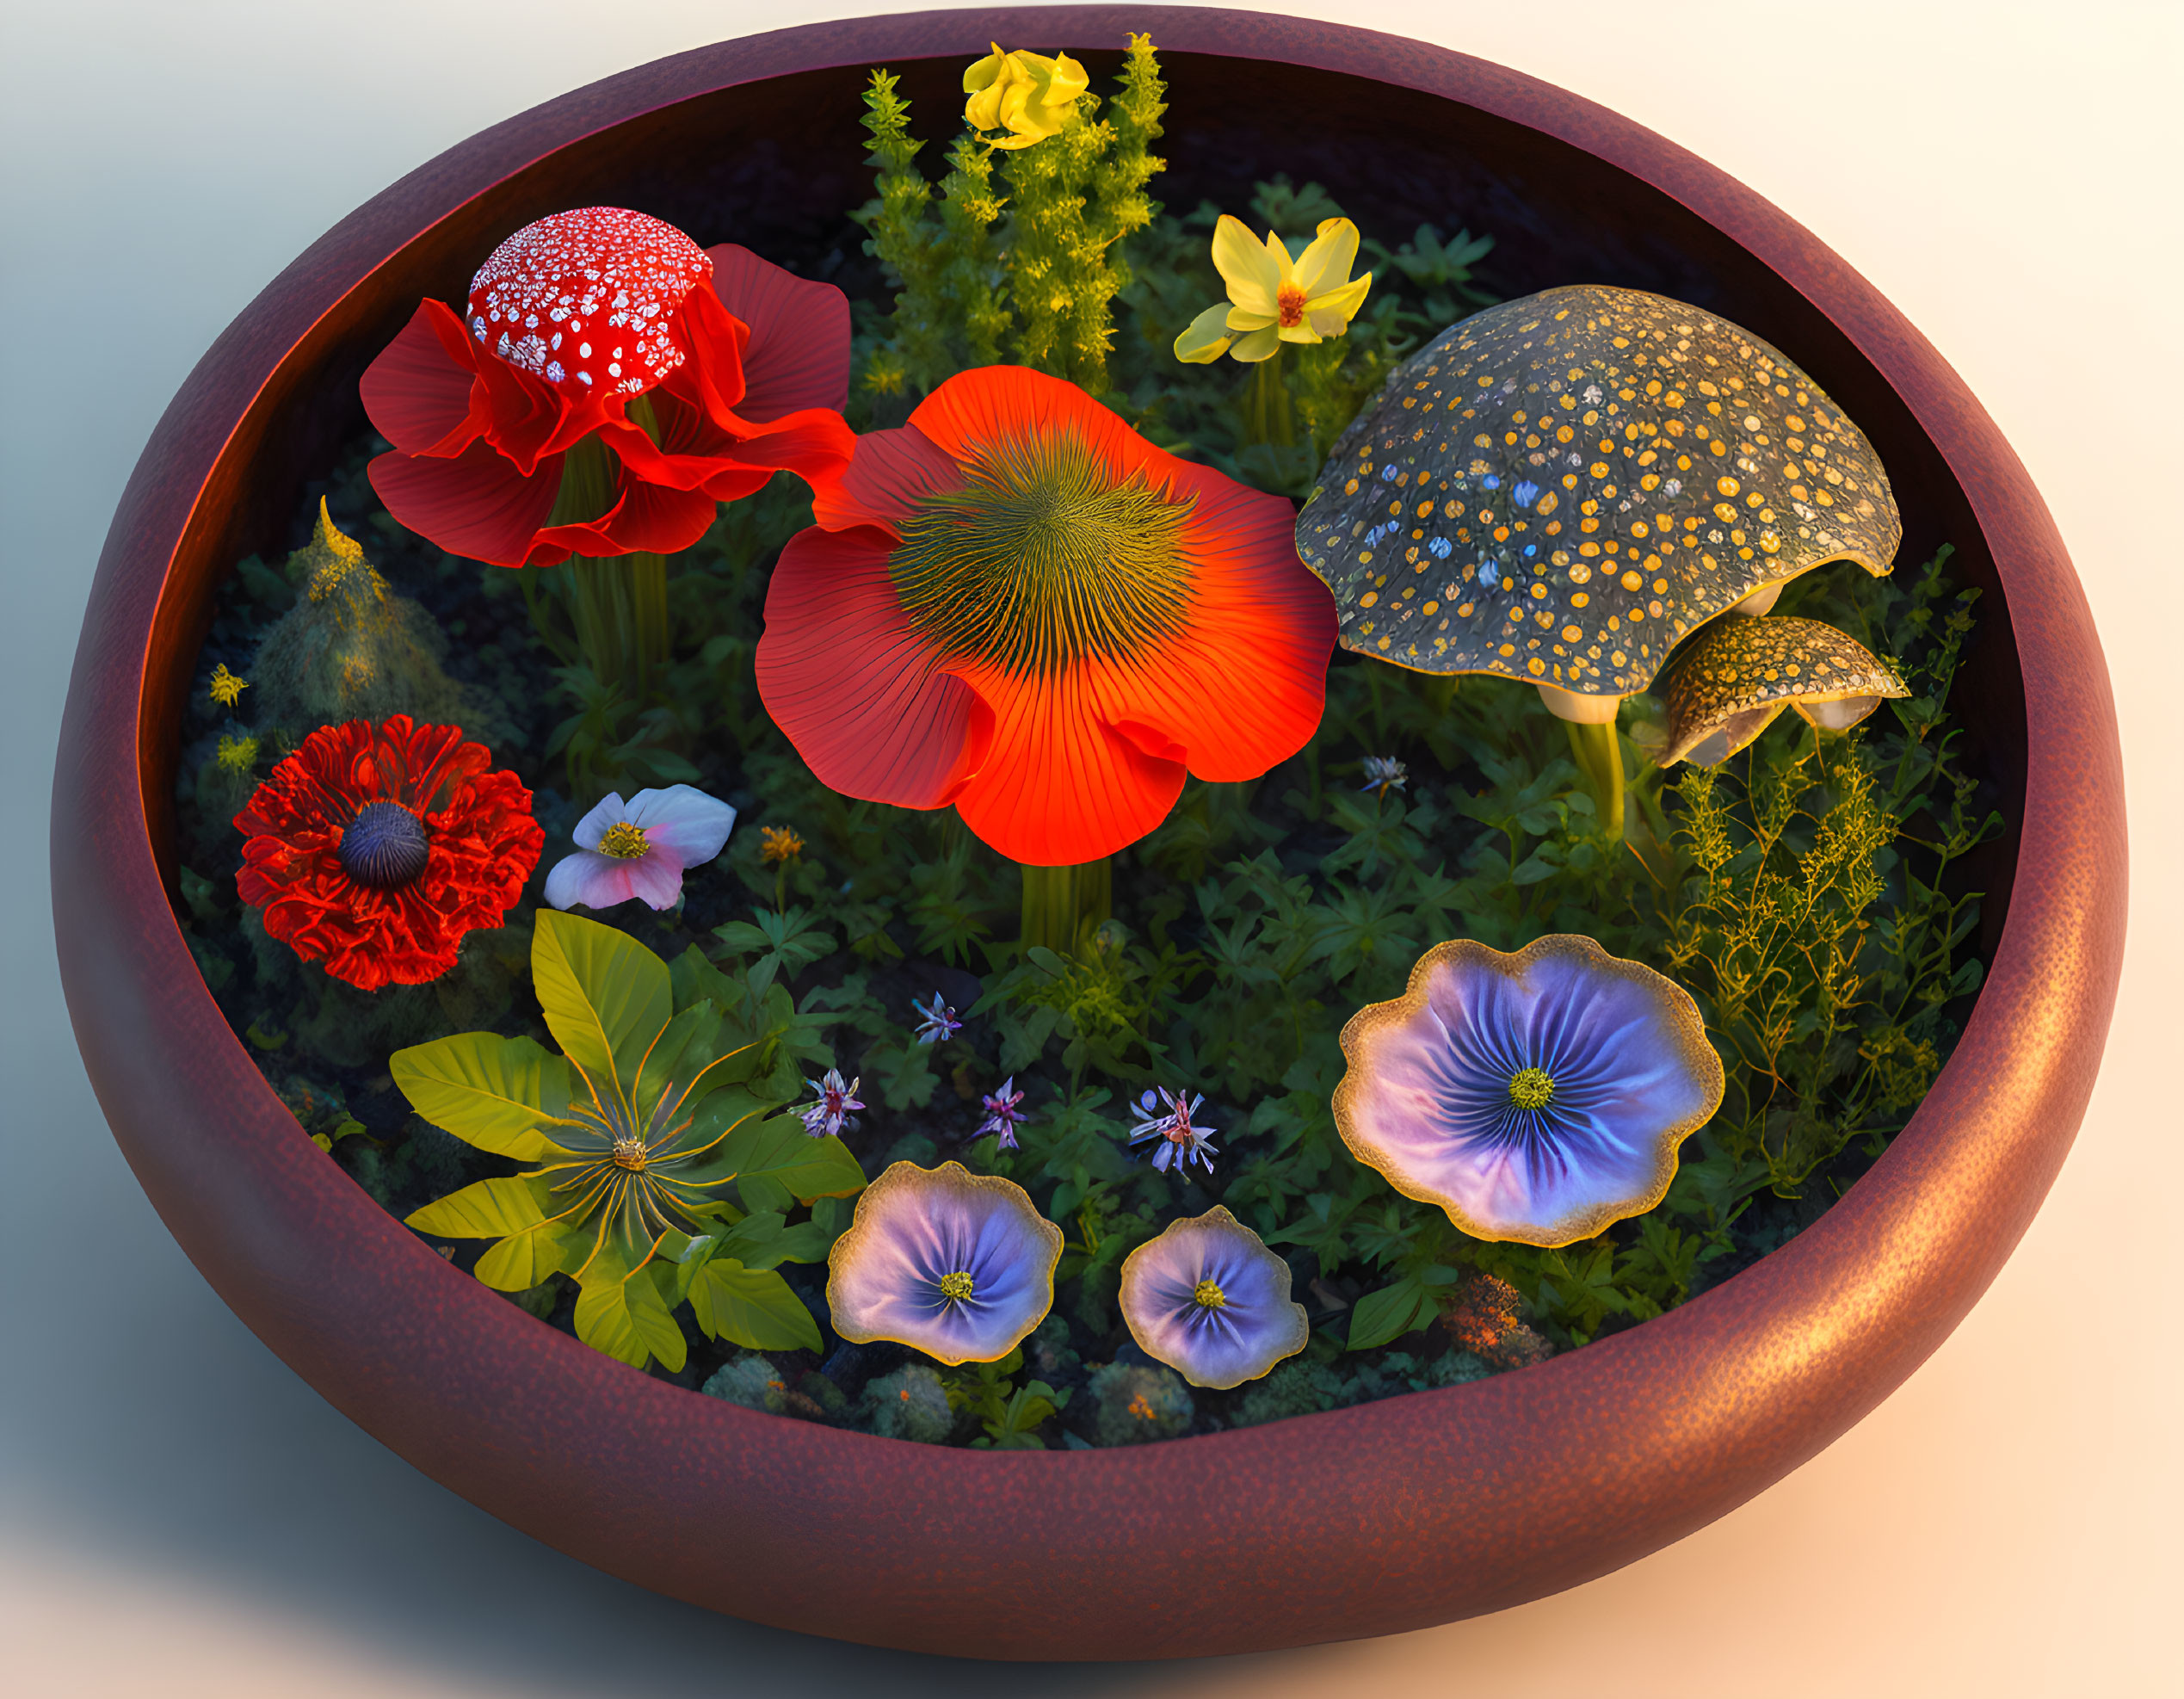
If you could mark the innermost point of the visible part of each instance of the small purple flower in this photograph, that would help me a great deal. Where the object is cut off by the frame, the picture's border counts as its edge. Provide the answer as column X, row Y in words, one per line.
column 937, row 1022
column 824, row 1118
column 1004, row 1109
column 1209, row 1300
column 1383, row 773
column 955, row 1264
column 1538, row 1096
column 1168, row 1119
column 640, row 848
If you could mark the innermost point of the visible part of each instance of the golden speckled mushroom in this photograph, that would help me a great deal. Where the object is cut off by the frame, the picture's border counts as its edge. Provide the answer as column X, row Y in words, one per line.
column 1730, row 681
column 1560, row 489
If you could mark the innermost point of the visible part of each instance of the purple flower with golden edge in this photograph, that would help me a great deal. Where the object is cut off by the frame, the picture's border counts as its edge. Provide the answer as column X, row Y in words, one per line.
column 936, row 1022
column 824, row 1118
column 955, row 1264
column 1209, row 1300
column 1539, row 1097
column 1384, row 773
column 1168, row 1119
column 640, row 848
column 1005, row 1108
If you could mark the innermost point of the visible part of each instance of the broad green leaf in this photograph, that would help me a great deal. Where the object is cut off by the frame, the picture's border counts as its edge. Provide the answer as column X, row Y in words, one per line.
column 489, row 1210
column 781, row 1150
column 1389, row 1314
column 489, row 1091
column 626, row 1318
column 751, row 1307
column 685, row 1045
column 764, row 1194
column 695, row 979
column 606, row 997
column 524, row 1260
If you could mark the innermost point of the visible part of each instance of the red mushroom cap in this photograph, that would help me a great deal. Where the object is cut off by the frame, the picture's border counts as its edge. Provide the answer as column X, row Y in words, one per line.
column 587, row 300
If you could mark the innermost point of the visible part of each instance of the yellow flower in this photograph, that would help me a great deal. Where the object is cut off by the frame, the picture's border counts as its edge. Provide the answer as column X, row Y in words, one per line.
column 778, row 844
column 1273, row 300
column 237, row 754
column 227, row 688
column 1026, row 95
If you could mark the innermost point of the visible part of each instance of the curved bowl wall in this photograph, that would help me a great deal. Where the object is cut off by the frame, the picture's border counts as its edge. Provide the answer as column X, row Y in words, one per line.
column 1416, row 1511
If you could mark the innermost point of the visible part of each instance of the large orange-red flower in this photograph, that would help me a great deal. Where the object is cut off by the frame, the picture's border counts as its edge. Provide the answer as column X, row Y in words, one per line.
column 1018, row 605
column 596, row 324
column 374, row 848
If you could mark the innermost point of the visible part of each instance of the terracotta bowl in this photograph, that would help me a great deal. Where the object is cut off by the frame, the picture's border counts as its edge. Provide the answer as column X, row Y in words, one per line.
column 1392, row 1515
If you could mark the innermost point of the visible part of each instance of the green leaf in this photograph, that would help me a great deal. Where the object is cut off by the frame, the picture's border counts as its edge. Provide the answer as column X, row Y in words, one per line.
column 1389, row 1314
column 606, row 997
column 524, row 1260
column 780, row 1150
column 489, row 1210
column 751, row 1307
column 488, row 1091
column 626, row 1318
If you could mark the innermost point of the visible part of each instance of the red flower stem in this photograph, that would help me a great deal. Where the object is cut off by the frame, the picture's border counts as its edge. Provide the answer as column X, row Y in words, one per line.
column 1061, row 904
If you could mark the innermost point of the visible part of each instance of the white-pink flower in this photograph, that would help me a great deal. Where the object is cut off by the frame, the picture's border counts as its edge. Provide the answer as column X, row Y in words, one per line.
column 640, row 848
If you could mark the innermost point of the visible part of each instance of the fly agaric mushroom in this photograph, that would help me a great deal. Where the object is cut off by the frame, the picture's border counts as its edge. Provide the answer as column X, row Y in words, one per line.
column 1558, row 489
column 1733, row 678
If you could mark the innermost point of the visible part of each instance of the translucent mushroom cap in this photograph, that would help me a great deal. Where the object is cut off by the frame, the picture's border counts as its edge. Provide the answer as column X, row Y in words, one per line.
column 1559, row 489
column 959, row 1265
column 1209, row 1300
column 587, row 300
column 1738, row 675
column 1538, row 1096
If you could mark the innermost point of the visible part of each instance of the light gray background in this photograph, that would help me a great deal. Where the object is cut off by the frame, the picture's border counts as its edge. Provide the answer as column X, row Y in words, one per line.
column 182, row 1515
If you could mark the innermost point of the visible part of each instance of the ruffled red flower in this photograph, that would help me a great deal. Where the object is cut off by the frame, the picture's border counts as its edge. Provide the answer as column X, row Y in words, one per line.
column 1018, row 605
column 375, row 848
column 744, row 368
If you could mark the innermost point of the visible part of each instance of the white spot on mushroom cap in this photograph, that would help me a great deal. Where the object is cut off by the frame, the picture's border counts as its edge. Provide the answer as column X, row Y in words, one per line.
column 571, row 262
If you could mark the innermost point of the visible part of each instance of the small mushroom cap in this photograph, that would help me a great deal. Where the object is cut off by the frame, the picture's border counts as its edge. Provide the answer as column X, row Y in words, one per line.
column 1737, row 675
column 587, row 300
column 1559, row 489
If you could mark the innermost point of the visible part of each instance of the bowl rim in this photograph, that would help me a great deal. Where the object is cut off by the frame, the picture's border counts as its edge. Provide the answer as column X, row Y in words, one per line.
column 1417, row 1509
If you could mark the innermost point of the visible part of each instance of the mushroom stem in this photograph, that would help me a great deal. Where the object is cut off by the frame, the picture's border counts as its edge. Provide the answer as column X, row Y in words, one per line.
column 1598, row 750
column 1061, row 903
column 619, row 604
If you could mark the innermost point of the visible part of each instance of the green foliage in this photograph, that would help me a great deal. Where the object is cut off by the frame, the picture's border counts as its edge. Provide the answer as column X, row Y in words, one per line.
column 1033, row 270
column 674, row 1069
column 1010, row 1415
column 1138, row 1402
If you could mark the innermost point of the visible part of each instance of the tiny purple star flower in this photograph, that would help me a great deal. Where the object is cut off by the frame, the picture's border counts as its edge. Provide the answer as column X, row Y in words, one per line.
column 1383, row 773
column 936, row 1022
column 1168, row 1119
column 825, row 1117
column 1005, row 1108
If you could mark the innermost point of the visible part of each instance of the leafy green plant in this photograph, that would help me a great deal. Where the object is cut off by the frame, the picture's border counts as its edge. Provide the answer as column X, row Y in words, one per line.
column 636, row 1129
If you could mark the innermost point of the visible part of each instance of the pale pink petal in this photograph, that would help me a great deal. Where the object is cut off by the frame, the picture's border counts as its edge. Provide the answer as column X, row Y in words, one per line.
column 609, row 811
column 656, row 877
column 683, row 821
column 588, row 879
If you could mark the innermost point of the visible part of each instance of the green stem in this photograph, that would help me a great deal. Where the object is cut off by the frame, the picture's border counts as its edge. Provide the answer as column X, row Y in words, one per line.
column 1267, row 416
column 618, row 603
column 1599, row 753
column 1061, row 904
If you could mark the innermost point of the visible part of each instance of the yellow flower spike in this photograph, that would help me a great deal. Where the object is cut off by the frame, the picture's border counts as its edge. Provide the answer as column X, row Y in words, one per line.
column 1273, row 300
column 227, row 688
column 1027, row 96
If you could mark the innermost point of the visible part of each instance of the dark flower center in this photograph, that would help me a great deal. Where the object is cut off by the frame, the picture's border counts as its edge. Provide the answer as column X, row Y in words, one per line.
column 1042, row 558
column 957, row 1288
column 1531, row 1089
column 384, row 846
column 1208, row 1295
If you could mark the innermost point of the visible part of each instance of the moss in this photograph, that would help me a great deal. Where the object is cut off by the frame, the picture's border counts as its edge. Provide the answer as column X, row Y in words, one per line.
column 1139, row 1402
column 750, row 1381
column 910, row 1404
column 1296, row 1388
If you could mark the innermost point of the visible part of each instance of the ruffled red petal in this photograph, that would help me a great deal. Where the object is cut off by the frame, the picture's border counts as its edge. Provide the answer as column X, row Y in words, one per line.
column 422, row 393
column 481, row 844
column 650, row 517
column 797, row 356
column 890, row 474
column 856, row 690
column 476, row 504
